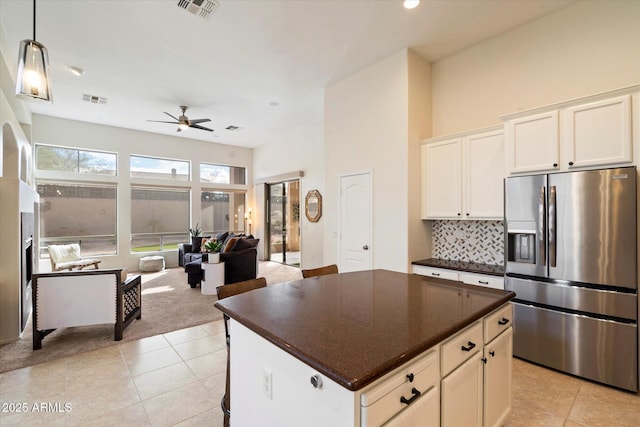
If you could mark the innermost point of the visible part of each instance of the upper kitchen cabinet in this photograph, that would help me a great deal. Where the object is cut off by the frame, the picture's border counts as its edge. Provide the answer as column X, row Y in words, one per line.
column 533, row 142
column 585, row 133
column 462, row 175
column 599, row 133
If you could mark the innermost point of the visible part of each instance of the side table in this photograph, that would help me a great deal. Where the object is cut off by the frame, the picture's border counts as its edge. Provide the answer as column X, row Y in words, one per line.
column 213, row 277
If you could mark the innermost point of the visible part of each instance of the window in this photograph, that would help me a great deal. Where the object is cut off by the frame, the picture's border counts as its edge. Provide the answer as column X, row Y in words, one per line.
column 152, row 167
column 222, row 211
column 49, row 158
column 220, row 174
column 78, row 213
column 159, row 218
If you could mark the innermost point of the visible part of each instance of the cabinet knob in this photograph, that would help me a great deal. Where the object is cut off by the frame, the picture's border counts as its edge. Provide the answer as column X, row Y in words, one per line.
column 410, row 378
column 570, row 163
column 555, row 165
column 458, row 213
column 467, row 213
column 316, row 381
column 484, row 360
column 492, row 353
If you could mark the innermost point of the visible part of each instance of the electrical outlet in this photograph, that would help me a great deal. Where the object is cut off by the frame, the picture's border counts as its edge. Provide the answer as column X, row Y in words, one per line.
column 267, row 384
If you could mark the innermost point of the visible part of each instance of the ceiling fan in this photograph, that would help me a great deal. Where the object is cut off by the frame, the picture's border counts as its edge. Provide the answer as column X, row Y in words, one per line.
column 183, row 121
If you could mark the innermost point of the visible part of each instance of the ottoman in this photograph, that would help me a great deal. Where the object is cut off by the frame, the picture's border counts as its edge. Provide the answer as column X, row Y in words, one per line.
column 151, row 263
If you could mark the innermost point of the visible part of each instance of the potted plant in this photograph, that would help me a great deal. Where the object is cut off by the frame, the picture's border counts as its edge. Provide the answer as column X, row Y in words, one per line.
column 213, row 247
column 196, row 238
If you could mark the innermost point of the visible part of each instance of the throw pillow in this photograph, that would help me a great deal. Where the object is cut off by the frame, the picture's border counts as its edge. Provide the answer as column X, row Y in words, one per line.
column 221, row 237
column 245, row 244
column 202, row 249
column 228, row 247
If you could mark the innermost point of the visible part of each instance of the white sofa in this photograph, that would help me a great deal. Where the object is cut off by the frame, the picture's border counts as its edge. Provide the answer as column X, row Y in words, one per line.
column 80, row 298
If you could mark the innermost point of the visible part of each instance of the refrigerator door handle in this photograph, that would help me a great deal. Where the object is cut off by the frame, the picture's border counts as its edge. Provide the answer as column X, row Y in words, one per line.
column 552, row 226
column 542, row 229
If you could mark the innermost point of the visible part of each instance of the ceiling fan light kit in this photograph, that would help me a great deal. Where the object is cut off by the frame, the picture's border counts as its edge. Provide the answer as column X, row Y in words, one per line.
column 32, row 81
column 183, row 121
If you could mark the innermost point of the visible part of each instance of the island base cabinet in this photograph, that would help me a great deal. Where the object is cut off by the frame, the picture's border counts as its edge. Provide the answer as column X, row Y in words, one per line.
column 270, row 387
column 462, row 395
column 497, row 379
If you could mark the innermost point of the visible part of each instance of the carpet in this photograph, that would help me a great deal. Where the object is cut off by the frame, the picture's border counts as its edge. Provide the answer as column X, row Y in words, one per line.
column 168, row 304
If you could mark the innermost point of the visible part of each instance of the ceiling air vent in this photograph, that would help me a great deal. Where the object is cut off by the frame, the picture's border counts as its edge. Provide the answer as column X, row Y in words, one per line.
column 94, row 99
column 201, row 8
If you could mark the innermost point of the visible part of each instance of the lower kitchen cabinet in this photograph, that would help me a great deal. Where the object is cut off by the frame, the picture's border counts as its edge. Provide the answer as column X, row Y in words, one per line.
column 462, row 389
column 498, row 356
column 486, row 280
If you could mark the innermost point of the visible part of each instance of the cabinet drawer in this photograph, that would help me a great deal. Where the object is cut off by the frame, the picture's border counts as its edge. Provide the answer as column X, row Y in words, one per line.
column 498, row 321
column 439, row 273
column 382, row 401
column 460, row 347
column 496, row 282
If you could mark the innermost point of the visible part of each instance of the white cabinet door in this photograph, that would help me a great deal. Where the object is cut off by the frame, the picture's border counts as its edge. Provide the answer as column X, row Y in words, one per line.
column 461, row 401
column 497, row 379
column 599, row 133
column 484, row 173
column 442, row 182
column 533, row 143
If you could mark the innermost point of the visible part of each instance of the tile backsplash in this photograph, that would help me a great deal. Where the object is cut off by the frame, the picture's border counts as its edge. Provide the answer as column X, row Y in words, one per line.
column 470, row 241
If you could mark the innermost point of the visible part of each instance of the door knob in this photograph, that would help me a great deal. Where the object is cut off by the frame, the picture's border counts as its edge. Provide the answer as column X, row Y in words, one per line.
column 365, row 247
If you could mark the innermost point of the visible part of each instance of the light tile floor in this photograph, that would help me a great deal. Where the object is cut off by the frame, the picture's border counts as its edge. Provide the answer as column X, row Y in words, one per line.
column 177, row 379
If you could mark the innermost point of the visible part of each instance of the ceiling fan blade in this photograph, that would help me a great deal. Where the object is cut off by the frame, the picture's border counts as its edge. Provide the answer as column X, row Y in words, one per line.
column 173, row 117
column 161, row 121
column 199, row 121
column 200, row 127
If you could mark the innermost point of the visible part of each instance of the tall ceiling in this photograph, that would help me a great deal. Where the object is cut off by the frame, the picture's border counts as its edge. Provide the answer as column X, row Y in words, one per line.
column 260, row 65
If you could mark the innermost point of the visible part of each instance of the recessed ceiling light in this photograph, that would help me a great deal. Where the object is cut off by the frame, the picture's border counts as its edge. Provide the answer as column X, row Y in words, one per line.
column 76, row 70
column 274, row 104
column 411, row 4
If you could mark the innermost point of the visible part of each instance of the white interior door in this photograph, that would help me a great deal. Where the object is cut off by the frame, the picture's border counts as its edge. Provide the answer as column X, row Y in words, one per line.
column 355, row 222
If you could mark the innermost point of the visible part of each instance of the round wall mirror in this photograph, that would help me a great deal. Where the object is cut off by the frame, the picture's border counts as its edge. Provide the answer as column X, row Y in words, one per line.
column 313, row 205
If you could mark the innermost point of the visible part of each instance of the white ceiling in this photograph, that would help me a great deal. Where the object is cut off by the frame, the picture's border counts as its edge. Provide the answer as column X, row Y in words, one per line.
column 148, row 57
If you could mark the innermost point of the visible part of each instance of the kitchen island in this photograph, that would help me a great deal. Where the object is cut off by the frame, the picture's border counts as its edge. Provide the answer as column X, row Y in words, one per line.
column 333, row 350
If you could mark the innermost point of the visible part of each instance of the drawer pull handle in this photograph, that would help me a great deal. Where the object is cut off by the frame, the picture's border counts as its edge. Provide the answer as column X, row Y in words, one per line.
column 504, row 321
column 492, row 353
column 435, row 274
column 484, row 360
column 470, row 347
column 410, row 377
column 415, row 393
column 482, row 282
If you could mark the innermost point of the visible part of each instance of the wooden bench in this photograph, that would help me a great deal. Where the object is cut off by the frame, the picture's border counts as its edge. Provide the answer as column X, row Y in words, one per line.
column 81, row 298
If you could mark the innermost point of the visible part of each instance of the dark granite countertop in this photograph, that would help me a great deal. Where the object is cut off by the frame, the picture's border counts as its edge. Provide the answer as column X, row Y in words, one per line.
column 471, row 267
column 356, row 327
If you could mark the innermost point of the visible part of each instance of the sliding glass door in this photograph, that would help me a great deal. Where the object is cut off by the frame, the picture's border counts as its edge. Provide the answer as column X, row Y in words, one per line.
column 283, row 202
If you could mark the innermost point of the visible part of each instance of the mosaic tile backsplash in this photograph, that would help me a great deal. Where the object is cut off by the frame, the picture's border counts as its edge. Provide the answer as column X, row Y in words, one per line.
column 470, row 241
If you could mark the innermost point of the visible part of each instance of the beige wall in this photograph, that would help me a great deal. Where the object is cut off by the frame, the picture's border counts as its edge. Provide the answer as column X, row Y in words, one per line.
column 300, row 150
column 368, row 127
column 586, row 48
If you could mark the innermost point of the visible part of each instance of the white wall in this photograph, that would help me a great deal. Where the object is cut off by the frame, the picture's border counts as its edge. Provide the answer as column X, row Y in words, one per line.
column 300, row 150
column 70, row 133
column 367, row 128
column 586, row 48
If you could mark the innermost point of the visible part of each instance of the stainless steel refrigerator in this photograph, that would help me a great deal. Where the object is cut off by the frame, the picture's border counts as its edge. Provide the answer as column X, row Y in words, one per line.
column 570, row 249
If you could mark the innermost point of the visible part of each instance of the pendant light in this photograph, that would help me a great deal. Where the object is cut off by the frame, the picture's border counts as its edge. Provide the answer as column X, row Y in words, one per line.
column 33, row 68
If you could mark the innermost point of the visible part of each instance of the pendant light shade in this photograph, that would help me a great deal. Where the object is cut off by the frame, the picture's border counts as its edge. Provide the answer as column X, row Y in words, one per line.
column 33, row 71
column 33, row 68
